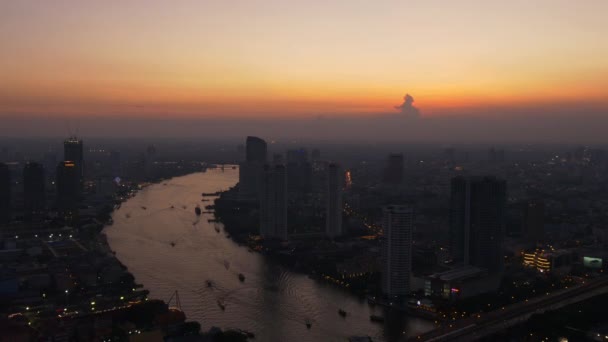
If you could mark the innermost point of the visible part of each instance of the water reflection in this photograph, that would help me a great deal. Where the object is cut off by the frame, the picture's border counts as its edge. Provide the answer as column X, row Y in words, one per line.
column 167, row 248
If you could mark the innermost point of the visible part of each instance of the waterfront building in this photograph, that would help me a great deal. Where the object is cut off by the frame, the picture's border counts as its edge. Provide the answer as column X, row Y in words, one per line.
column 273, row 202
column 250, row 171
column 333, row 219
column 398, row 221
column 477, row 221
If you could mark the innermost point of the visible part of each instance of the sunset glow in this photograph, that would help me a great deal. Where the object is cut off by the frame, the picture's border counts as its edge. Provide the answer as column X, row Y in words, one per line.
column 287, row 59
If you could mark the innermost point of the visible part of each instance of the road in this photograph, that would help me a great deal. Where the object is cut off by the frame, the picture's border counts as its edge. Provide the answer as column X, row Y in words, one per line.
column 476, row 327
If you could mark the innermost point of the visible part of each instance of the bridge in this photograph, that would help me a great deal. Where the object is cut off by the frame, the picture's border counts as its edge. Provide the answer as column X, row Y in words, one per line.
column 479, row 326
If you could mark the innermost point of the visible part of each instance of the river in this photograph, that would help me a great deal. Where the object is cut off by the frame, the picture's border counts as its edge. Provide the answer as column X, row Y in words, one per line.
column 272, row 302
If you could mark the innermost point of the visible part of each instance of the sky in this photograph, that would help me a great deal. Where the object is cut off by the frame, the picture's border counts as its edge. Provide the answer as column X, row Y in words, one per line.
column 106, row 61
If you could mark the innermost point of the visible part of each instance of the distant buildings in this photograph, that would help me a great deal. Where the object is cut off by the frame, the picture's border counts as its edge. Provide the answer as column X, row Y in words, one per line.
column 34, row 192
column 477, row 221
column 398, row 221
column 273, row 202
column 5, row 193
column 393, row 174
column 250, row 172
column 333, row 222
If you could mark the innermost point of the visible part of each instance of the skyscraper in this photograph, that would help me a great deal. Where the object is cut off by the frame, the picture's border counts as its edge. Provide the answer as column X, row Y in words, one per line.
column 68, row 187
column 393, row 174
column 534, row 215
column 250, row 171
column 398, row 227
column 34, row 194
column 477, row 221
column 73, row 151
column 256, row 150
column 5, row 194
column 333, row 220
column 273, row 202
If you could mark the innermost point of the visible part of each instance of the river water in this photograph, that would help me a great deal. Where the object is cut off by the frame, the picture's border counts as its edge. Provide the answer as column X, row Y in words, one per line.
column 272, row 302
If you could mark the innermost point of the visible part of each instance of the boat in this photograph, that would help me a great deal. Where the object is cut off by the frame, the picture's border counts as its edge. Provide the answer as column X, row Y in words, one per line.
column 172, row 207
column 241, row 277
column 172, row 244
column 308, row 324
column 342, row 313
column 221, row 305
column 375, row 318
column 144, row 208
column 217, row 229
column 128, row 215
column 209, row 283
column 197, row 210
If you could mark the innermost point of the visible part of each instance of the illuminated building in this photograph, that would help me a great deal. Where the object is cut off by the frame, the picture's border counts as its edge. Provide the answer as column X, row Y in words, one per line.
column 273, row 202
column 34, row 193
column 548, row 260
column 333, row 219
column 460, row 283
column 5, row 193
column 398, row 227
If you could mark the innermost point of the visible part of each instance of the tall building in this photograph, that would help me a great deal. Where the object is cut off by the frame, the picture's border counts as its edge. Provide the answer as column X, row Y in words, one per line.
column 273, row 202
column 34, row 193
column 299, row 171
column 477, row 221
column 333, row 218
column 398, row 222
column 393, row 174
column 73, row 151
column 250, row 171
column 256, row 150
column 534, row 216
column 5, row 194
column 68, row 187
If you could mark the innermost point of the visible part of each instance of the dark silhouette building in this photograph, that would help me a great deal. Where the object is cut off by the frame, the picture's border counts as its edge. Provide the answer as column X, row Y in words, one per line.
column 251, row 171
column 34, row 194
column 68, row 188
column 273, row 202
column 534, row 217
column 73, row 151
column 299, row 171
column 477, row 221
column 333, row 220
column 393, row 174
column 398, row 226
column 256, row 150
column 5, row 194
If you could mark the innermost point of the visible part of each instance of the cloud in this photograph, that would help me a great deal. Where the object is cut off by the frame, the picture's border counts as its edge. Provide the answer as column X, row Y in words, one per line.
column 407, row 107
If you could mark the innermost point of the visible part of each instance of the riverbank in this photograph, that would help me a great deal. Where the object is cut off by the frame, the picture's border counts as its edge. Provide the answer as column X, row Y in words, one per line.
column 270, row 296
column 170, row 308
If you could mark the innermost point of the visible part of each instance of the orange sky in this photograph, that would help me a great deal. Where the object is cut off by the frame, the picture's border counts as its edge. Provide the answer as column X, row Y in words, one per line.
column 277, row 58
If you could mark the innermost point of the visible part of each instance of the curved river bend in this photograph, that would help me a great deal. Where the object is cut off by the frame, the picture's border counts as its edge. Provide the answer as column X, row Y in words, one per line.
column 272, row 302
